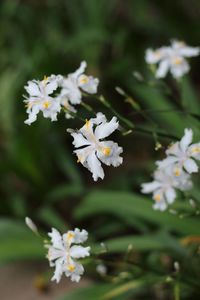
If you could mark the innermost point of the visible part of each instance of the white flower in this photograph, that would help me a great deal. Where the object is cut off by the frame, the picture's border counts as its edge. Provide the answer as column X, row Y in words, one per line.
column 63, row 254
column 92, row 149
column 172, row 59
column 182, row 155
column 76, row 82
column 101, row 269
column 164, row 187
column 39, row 98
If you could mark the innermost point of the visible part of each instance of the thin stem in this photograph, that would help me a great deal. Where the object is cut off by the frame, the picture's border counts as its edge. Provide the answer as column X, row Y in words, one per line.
column 177, row 291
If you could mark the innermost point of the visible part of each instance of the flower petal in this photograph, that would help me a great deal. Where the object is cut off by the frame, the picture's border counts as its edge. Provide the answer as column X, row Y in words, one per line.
column 79, row 251
column 190, row 166
column 105, row 129
column 94, row 166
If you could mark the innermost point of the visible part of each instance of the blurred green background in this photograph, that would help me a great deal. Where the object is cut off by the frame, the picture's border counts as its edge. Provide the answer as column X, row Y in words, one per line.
column 39, row 176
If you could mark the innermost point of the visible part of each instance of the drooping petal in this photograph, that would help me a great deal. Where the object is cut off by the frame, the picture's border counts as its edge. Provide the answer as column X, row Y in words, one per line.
column 58, row 270
column 190, row 166
column 109, row 153
column 88, row 84
column 150, row 187
column 79, row 251
column 162, row 68
column 170, row 195
column 180, row 69
column 194, row 151
column 161, row 205
column 94, row 166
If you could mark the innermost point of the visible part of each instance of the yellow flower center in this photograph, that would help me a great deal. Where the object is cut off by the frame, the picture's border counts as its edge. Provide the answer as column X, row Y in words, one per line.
column 157, row 197
column 195, row 150
column 106, row 151
column 83, row 79
column 46, row 104
column 177, row 172
column 71, row 268
column 70, row 236
column 177, row 61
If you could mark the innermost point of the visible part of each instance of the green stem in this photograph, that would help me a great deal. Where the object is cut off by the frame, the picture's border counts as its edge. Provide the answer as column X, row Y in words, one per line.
column 177, row 291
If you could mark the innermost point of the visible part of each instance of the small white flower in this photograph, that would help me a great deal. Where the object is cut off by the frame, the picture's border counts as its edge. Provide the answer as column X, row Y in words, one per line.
column 76, row 82
column 172, row 59
column 39, row 98
column 64, row 255
column 92, row 149
column 164, row 187
column 182, row 155
column 101, row 269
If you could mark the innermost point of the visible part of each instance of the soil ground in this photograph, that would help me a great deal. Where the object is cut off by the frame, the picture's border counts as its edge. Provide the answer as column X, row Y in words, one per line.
column 25, row 281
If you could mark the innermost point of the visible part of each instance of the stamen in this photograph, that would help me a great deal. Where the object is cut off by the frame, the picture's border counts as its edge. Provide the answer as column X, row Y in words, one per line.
column 195, row 150
column 87, row 123
column 46, row 104
column 177, row 172
column 71, row 268
column 177, row 61
column 157, row 197
column 106, row 151
column 70, row 235
column 83, row 79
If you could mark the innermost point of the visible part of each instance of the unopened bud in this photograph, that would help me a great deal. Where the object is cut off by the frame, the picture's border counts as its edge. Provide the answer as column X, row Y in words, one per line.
column 31, row 225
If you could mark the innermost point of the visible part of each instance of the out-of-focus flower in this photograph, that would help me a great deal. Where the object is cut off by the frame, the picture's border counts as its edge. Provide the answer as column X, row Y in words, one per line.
column 164, row 187
column 40, row 98
column 172, row 59
column 75, row 83
column 31, row 225
column 63, row 253
column 92, row 149
column 101, row 269
column 182, row 155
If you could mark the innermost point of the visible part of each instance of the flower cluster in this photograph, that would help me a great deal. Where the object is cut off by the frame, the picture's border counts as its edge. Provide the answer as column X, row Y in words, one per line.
column 92, row 149
column 63, row 253
column 56, row 92
column 174, row 172
column 171, row 58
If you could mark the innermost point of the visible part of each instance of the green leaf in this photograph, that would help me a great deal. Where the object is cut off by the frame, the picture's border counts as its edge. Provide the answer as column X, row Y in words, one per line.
column 127, row 204
column 18, row 242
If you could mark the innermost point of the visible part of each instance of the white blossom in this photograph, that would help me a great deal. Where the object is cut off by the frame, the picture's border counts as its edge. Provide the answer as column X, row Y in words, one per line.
column 75, row 83
column 92, row 149
column 172, row 58
column 164, row 187
column 182, row 155
column 63, row 253
column 40, row 98
column 101, row 269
